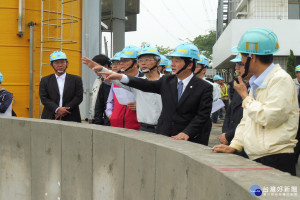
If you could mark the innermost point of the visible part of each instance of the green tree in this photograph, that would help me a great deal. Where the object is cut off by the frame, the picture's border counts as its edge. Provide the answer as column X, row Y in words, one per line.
column 164, row 50
column 291, row 64
column 205, row 43
column 144, row 44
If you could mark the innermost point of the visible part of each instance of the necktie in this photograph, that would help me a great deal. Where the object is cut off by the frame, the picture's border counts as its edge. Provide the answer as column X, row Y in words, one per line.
column 180, row 87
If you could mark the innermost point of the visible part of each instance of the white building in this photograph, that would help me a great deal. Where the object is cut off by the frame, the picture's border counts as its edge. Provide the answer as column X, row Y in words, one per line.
column 235, row 17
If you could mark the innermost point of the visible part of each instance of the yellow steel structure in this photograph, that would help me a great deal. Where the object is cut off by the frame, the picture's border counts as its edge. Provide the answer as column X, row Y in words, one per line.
column 60, row 21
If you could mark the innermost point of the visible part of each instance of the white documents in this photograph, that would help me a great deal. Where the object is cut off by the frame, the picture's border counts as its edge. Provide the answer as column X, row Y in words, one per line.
column 124, row 96
column 217, row 105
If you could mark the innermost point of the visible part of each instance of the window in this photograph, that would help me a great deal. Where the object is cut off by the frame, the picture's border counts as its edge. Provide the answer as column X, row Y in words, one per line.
column 294, row 9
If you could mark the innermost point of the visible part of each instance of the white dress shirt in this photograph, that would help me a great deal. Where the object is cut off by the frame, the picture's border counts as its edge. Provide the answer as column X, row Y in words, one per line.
column 216, row 90
column 61, row 84
column 148, row 105
column 185, row 82
column 95, row 90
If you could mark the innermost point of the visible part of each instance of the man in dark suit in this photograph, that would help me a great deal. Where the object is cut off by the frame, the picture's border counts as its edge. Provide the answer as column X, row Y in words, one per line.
column 186, row 99
column 61, row 93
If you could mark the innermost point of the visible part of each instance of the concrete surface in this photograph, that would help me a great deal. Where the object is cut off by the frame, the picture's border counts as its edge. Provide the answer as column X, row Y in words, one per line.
column 214, row 140
column 42, row 159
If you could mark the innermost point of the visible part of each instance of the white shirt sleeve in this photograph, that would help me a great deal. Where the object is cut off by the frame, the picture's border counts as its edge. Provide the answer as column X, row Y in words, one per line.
column 124, row 79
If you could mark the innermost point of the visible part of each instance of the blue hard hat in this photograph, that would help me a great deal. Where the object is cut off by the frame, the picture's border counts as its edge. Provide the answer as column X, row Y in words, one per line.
column 297, row 68
column 203, row 60
column 221, row 78
column 1, row 77
column 259, row 41
column 186, row 50
column 217, row 77
column 168, row 67
column 58, row 55
column 116, row 56
column 164, row 60
column 148, row 49
column 237, row 59
column 130, row 52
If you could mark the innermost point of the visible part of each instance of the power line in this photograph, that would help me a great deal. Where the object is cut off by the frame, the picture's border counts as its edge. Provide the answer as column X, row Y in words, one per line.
column 176, row 19
column 206, row 10
column 211, row 18
column 163, row 27
column 187, row 14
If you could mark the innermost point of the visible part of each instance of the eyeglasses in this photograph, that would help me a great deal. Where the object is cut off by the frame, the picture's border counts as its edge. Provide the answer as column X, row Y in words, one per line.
column 145, row 60
column 240, row 64
column 115, row 62
column 59, row 62
column 125, row 60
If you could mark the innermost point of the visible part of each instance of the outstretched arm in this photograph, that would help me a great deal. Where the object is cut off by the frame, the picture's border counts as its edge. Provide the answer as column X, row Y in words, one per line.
column 134, row 82
column 92, row 65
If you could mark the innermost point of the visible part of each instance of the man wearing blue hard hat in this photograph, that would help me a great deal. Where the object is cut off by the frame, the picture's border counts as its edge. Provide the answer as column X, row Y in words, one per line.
column 217, row 95
column 297, row 83
column 225, row 96
column 168, row 68
column 61, row 93
column 269, row 125
column 164, row 62
column 234, row 112
column 148, row 105
column 239, row 66
column 100, row 93
column 115, row 62
column 5, row 100
column 186, row 99
column 120, row 115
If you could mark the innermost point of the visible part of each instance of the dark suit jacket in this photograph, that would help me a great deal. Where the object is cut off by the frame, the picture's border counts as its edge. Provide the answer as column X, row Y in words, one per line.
column 100, row 106
column 72, row 96
column 190, row 115
column 234, row 114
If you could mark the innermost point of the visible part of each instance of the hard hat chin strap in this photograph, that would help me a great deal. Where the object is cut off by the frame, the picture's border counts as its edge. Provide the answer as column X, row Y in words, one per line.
column 247, row 65
column 202, row 68
column 131, row 66
column 184, row 67
column 155, row 66
column 162, row 68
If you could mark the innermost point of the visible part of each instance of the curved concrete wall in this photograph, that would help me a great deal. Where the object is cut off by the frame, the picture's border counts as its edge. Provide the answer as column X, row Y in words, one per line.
column 42, row 159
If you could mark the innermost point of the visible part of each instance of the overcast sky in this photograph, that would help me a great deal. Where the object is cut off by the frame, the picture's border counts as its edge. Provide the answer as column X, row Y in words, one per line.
column 170, row 22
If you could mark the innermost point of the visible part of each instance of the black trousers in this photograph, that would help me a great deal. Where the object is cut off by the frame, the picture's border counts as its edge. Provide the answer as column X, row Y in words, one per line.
column 284, row 162
column 221, row 115
column 297, row 148
column 148, row 128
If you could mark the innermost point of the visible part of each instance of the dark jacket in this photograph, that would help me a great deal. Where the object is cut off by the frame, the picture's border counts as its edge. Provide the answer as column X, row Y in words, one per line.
column 5, row 100
column 190, row 115
column 72, row 96
column 100, row 107
column 231, row 90
column 234, row 114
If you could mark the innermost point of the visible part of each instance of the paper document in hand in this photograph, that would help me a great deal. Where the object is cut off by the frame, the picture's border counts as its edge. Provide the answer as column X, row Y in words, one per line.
column 217, row 105
column 124, row 96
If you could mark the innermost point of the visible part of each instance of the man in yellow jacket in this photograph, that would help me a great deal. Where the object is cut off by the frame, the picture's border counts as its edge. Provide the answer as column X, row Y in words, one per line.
column 270, row 120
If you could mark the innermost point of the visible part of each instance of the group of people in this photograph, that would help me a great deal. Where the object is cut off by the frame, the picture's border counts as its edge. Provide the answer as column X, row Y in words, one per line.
column 142, row 90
